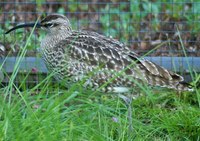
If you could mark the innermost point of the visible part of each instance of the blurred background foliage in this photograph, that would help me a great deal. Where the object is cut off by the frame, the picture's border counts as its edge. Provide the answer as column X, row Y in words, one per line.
column 141, row 24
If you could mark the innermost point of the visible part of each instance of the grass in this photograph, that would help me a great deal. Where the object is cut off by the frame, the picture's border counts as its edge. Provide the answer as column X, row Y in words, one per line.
column 53, row 113
column 50, row 112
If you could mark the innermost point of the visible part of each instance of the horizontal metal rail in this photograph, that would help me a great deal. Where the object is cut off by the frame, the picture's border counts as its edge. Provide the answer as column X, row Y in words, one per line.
column 177, row 64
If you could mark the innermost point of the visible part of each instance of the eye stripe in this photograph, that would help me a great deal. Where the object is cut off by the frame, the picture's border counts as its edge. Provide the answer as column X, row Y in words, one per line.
column 50, row 25
column 55, row 24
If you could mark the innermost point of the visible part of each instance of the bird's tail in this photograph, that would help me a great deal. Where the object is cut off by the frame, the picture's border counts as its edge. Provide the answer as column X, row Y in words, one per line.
column 176, row 82
column 156, row 75
column 184, row 86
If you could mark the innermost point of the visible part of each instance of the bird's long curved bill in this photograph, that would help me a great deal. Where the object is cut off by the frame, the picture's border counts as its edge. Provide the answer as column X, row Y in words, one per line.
column 37, row 25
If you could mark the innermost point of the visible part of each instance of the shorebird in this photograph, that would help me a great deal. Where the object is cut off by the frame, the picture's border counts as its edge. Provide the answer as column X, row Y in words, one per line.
column 78, row 55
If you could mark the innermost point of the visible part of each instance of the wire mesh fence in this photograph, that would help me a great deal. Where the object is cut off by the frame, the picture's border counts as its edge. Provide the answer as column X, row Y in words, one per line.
column 141, row 24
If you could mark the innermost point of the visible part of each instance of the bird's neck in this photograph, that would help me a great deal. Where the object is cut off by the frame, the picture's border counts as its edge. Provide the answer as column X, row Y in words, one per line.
column 52, row 39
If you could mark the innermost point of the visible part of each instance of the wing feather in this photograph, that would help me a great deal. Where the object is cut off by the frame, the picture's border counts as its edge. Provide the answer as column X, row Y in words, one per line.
column 96, row 49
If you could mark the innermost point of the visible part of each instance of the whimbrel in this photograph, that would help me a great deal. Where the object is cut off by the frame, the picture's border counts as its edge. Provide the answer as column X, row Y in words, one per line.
column 97, row 59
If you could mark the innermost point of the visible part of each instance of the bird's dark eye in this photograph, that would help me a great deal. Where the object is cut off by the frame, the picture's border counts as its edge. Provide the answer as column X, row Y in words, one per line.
column 47, row 25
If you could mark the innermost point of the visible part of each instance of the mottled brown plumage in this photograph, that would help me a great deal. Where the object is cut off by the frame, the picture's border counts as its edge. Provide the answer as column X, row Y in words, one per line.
column 97, row 59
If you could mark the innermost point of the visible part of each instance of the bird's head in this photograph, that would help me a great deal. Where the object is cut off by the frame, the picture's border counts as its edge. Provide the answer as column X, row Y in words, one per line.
column 54, row 24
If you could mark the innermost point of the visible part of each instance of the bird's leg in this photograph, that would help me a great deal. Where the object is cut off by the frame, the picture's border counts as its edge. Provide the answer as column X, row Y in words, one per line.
column 128, row 102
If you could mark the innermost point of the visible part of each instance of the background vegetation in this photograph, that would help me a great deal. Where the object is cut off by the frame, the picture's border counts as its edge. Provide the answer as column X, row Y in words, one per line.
column 142, row 24
column 44, row 110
